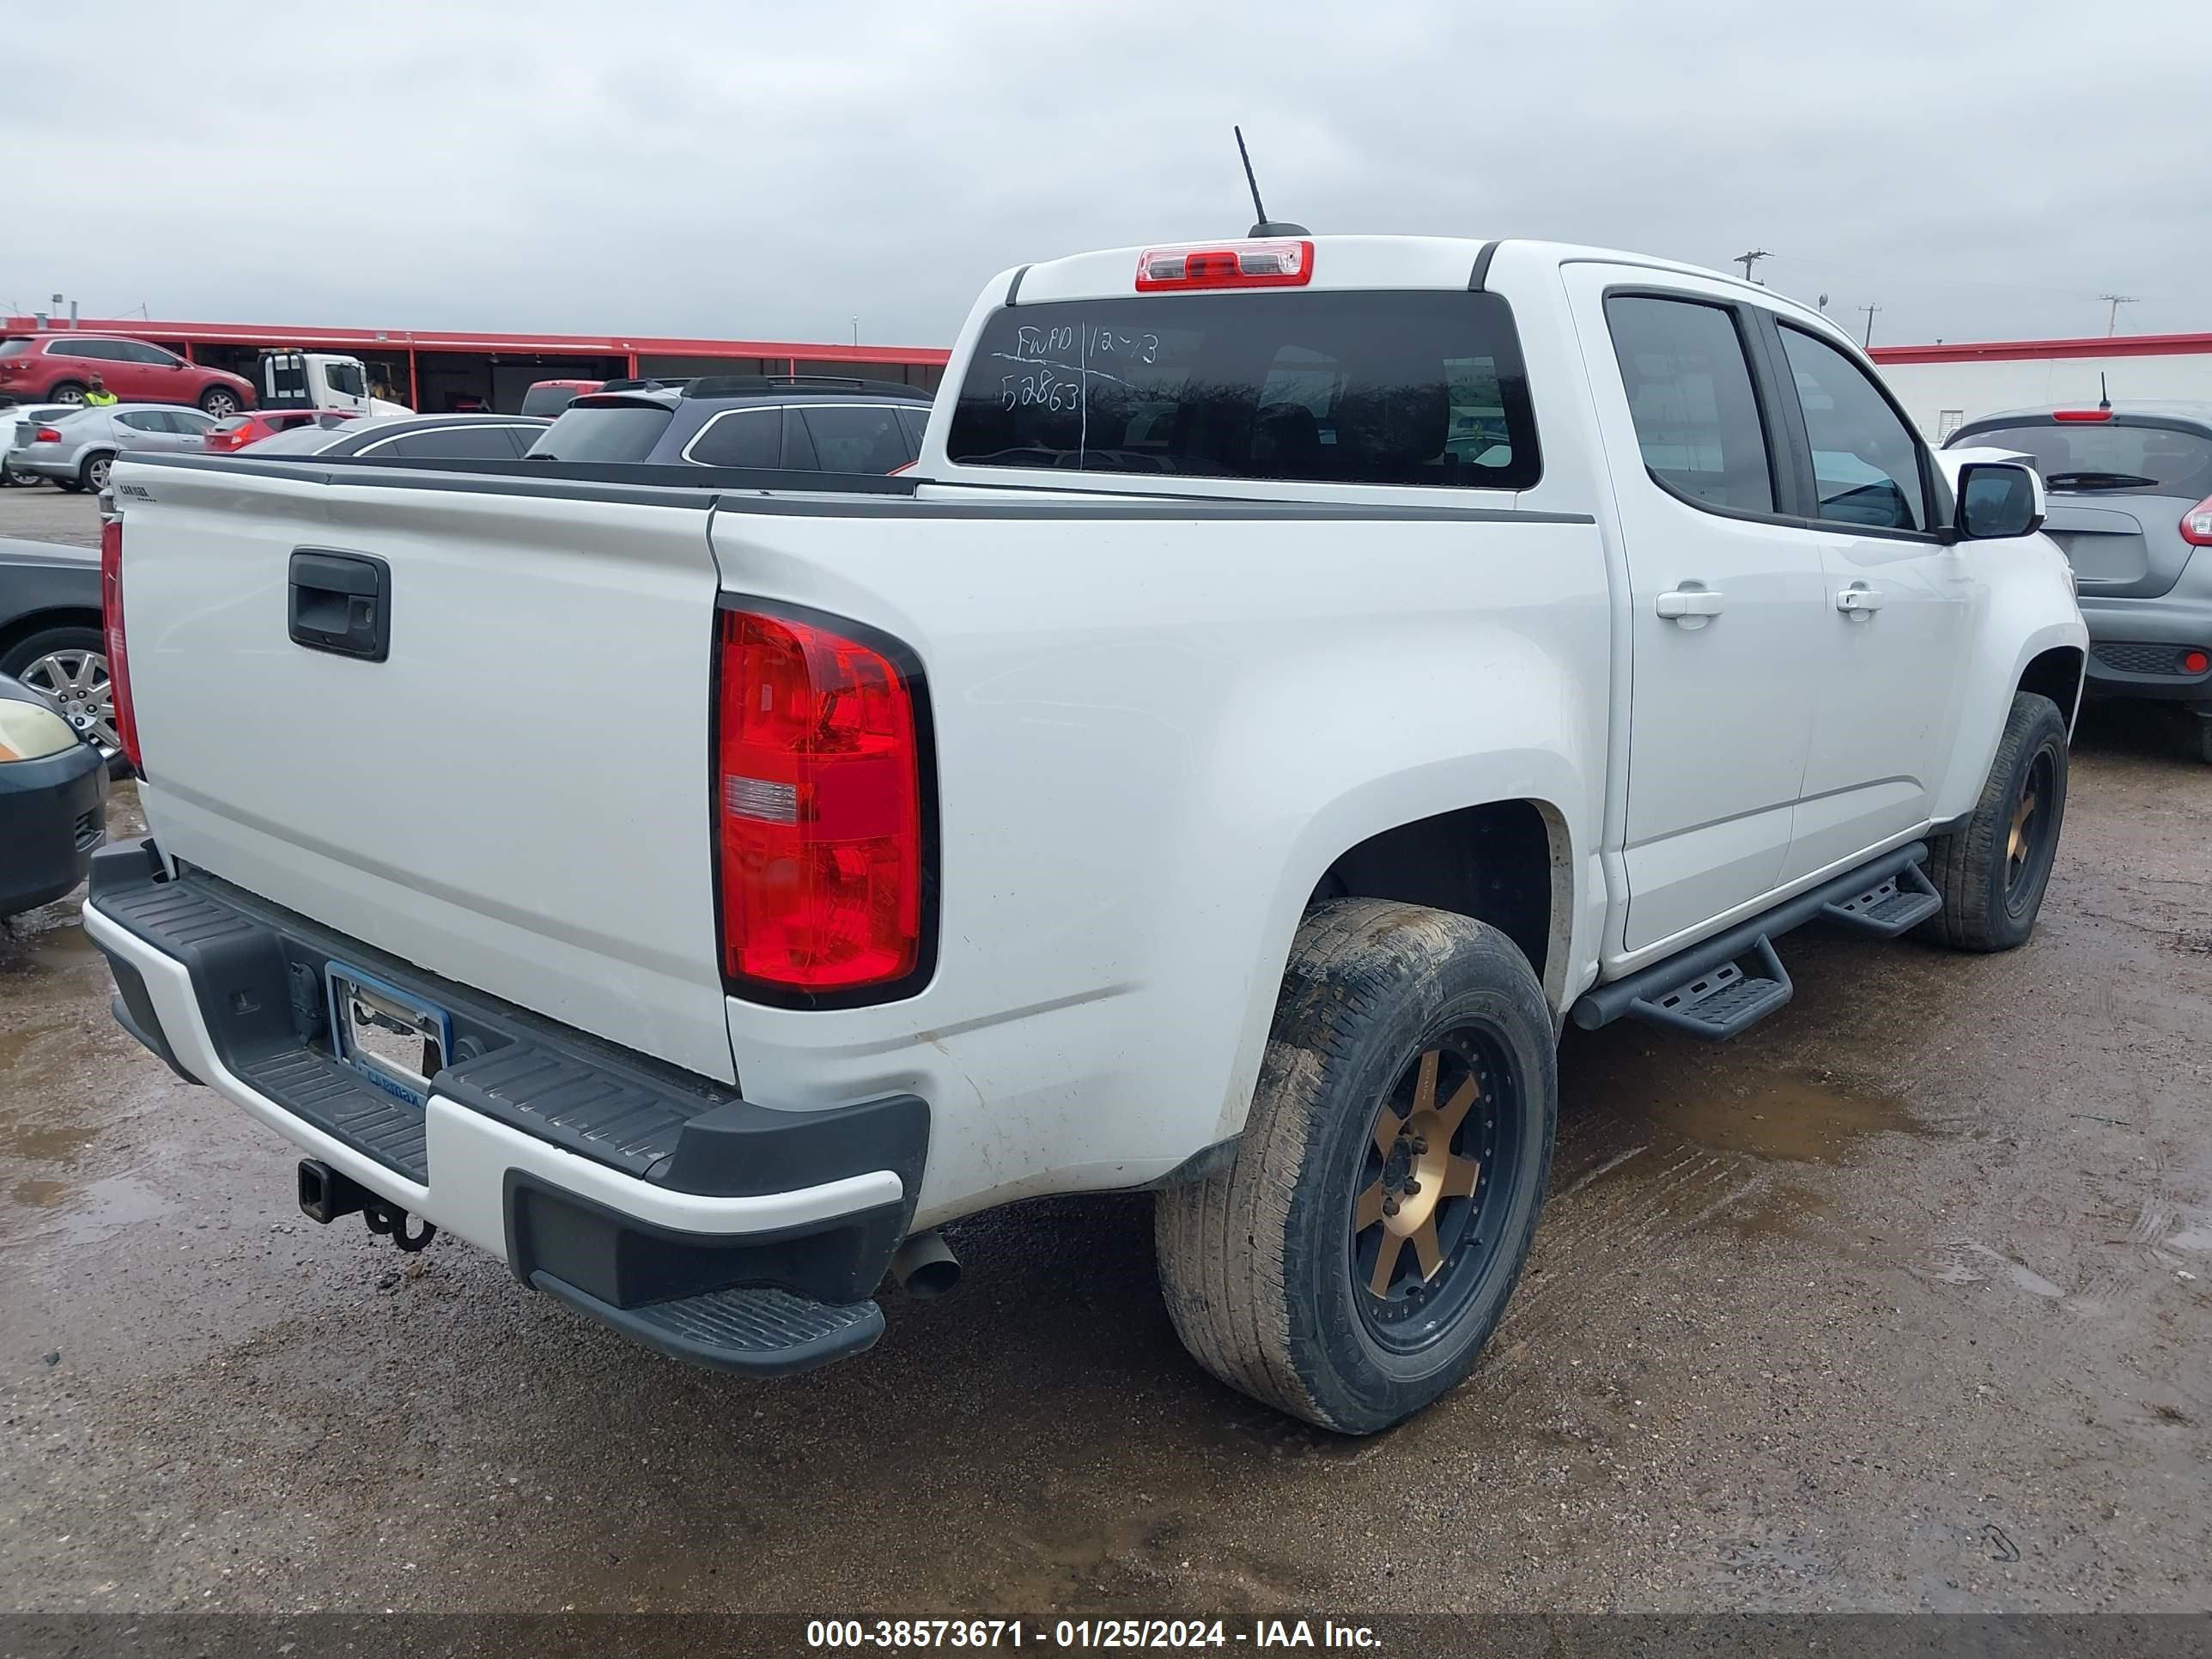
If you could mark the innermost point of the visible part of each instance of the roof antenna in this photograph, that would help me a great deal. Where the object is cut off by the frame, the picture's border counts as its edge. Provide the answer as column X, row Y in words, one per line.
column 1263, row 226
column 2104, row 397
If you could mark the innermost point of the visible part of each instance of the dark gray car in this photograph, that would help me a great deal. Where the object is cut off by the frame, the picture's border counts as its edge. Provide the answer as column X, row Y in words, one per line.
column 2130, row 488
column 410, row 437
column 789, row 422
column 50, row 637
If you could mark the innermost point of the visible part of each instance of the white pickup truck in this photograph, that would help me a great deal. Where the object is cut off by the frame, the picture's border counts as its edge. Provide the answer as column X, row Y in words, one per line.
column 1299, row 675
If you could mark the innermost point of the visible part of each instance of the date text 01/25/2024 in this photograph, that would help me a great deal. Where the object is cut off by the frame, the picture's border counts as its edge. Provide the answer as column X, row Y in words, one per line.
column 1158, row 1633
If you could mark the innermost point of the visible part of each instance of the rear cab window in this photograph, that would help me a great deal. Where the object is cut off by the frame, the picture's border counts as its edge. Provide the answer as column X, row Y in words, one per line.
column 611, row 429
column 1393, row 388
column 2091, row 456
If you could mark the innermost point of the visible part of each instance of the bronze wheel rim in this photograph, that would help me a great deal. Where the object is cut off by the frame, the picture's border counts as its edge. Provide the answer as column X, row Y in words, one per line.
column 1434, row 1179
column 2032, row 816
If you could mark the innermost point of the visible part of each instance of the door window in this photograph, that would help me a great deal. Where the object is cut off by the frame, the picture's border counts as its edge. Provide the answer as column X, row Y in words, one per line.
column 1866, row 463
column 1690, row 394
column 346, row 378
column 857, row 437
column 143, row 420
column 916, row 421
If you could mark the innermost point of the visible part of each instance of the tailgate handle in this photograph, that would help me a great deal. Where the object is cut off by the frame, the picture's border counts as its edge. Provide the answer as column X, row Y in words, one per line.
column 342, row 603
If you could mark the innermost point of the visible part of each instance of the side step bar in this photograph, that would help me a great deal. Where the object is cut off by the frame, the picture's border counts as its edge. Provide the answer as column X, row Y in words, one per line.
column 1710, row 992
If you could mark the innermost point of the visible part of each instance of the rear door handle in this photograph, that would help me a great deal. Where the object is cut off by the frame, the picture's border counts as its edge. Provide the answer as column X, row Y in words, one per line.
column 1858, row 601
column 341, row 602
column 1691, row 602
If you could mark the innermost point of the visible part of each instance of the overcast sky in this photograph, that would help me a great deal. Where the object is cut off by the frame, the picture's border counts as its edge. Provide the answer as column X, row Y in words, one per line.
column 1977, row 170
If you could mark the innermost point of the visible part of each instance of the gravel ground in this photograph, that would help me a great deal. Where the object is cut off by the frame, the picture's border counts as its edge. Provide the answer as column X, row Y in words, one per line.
column 1899, row 1302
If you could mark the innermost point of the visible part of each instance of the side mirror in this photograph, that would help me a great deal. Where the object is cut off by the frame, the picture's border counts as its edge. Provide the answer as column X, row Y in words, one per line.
column 1997, row 499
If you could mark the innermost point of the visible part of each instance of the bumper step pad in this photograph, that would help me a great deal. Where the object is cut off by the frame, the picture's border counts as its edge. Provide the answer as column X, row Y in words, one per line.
column 1721, row 1000
column 1888, row 907
column 758, row 1330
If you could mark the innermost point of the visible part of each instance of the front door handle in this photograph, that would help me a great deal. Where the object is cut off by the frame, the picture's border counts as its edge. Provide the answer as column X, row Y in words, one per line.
column 1681, row 602
column 1858, row 601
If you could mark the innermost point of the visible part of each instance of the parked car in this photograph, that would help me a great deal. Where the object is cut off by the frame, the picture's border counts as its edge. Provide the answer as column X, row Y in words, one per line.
column 56, row 368
column 50, row 635
column 53, row 803
column 74, row 450
column 550, row 398
column 241, row 431
column 2130, row 490
column 415, row 437
column 17, row 422
column 1200, row 775
column 799, row 423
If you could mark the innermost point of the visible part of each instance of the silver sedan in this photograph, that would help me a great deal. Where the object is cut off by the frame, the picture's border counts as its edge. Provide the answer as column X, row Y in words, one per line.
column 75, row 449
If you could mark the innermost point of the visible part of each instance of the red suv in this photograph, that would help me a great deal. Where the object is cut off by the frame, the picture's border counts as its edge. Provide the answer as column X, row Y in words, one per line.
column 56, row 367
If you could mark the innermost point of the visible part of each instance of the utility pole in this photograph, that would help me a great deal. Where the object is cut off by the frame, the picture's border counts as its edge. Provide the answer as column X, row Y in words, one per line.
column 2117, row 301
column 1868, row 341
column 1747, row 260
column 856, row 328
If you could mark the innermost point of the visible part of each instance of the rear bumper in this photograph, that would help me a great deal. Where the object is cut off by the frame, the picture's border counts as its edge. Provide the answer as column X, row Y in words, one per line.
column 658, row 1202
column 2135, row 645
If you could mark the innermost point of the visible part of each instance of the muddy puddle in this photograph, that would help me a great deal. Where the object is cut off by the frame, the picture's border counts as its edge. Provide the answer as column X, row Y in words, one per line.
column 1789, row 1116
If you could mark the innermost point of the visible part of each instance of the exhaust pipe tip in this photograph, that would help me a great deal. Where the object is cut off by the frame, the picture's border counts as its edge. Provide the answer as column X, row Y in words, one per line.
column 925, row 1265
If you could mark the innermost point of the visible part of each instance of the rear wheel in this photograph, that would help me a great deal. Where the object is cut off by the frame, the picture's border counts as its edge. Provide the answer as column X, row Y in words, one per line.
column 68, row 392
column 220, row 402
column 93, row 475
column 1992, row 873
column 68, row 666
column 1350, row 1263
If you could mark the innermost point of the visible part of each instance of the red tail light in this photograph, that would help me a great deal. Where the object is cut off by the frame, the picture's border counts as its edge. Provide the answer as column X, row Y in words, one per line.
column 2197, row 524
column 46, row 434
column 118, row 654
column 819, row 804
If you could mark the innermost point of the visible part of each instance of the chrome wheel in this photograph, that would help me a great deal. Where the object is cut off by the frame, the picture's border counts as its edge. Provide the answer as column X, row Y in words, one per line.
column 221, row 404
column 76, row 683
column 96, row 471
column 66, row 394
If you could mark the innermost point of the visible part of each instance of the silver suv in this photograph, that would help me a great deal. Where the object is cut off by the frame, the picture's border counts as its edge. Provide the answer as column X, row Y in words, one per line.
column 2130, row 487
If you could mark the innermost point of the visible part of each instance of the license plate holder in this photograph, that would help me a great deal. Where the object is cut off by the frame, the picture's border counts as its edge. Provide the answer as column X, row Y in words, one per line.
column 388, row 1036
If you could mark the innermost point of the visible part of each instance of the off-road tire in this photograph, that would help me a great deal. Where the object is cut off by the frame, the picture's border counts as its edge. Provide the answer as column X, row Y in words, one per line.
column 1255, row 1261
column 1968, row 866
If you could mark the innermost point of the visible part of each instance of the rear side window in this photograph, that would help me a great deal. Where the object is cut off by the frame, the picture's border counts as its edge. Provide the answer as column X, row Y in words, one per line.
column 1690, row 395
column 1365, row 387
column 856, row 438
column 916, row 421
column 2087, row 456
column 451, row 443
column 1866, row 463
column 738, row 437
column 17, row 348
column 603, row 432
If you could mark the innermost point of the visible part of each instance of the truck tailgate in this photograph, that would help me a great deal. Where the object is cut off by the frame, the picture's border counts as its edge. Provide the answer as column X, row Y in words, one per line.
column 516, row 797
